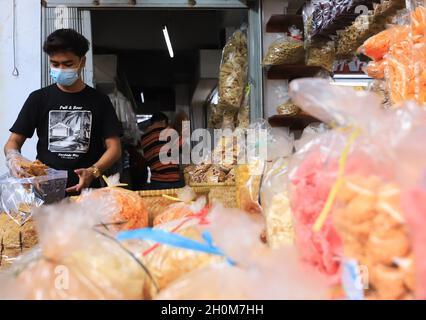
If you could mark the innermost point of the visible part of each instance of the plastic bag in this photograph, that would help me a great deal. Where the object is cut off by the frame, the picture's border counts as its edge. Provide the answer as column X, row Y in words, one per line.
column 273, row 277
column 350, row 187
column 129, row 212
column 233, row 71
column 314, row 167
column 18, row 197
column 187, row 206
column 276, row 205
column 285, row 50
column 413, row 196
column 15, row 239
column 256, row 271
column 168, row 250
column 321, row 54
column 74, row 261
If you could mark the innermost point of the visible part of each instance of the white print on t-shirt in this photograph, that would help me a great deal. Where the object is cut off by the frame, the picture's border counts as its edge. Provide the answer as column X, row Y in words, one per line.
column 69, row 131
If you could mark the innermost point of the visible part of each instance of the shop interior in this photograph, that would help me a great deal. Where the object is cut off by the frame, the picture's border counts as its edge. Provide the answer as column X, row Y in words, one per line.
column 134, row 65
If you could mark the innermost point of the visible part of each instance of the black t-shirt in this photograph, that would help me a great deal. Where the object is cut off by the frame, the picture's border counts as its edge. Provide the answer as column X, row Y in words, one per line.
column 71, row 127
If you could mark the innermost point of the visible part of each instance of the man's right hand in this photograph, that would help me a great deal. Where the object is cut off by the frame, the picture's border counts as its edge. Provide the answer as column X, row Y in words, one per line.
column 14, row 162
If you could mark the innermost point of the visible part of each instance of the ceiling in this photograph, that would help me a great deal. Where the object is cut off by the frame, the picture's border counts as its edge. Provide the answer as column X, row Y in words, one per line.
column 136, row 37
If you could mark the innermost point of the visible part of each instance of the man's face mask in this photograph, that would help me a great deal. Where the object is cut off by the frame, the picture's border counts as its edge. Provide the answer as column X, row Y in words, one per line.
column 65, row 77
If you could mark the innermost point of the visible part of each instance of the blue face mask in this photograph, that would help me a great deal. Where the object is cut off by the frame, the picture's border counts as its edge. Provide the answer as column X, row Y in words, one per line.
column 64, row 77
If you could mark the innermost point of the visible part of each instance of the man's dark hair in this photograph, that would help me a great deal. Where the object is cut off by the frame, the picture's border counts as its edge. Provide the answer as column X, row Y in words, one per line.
column 66, row 40
column 158, row 117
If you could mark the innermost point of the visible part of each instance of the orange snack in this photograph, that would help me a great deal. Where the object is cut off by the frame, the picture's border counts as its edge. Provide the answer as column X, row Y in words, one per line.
column 376, row 69
column 374, row 233
column 131, row 211
column 173, row 212
column 378, row 46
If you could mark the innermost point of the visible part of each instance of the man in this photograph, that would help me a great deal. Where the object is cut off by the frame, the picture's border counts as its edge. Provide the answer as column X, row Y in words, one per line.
column 163, row 175
column 76, row 125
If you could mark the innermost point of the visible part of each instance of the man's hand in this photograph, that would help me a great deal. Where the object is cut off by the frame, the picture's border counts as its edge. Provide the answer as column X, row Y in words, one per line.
column 85, row 179
column 15, row 162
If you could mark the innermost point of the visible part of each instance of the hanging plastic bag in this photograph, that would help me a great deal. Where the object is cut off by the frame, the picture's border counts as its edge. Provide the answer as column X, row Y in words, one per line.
column 74, row 260
column 233, row 71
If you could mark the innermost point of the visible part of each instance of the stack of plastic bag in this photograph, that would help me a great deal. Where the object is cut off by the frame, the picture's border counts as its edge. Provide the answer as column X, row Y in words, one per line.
column 74, row 261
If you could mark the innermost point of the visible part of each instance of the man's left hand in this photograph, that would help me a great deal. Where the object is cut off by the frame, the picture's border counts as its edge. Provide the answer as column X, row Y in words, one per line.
column 85, row 179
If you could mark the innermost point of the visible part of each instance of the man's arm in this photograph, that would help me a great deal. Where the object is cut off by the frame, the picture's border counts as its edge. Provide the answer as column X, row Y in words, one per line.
column 15, row 142
column 12, row 152
column 108, row 159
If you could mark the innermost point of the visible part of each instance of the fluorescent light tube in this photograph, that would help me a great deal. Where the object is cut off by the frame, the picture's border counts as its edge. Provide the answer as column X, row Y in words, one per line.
column 142, row 97
column 168, row 42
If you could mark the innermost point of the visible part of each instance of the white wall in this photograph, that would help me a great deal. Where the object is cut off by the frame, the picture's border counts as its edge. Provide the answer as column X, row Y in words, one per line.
column 14, row 90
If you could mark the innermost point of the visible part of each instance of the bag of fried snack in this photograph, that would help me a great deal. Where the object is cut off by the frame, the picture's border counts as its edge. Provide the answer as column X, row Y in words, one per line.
column 130, row 210
column 233, row 71
column 186, row 205
column 288, row 49
column 358, row 202
column 74, row 260
column 171, row 250
column 256, row 271
column 15, row 239
column 413, row 201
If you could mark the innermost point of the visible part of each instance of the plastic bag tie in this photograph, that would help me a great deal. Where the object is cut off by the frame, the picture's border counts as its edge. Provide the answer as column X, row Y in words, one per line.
column 319, row 223
column 174, row 240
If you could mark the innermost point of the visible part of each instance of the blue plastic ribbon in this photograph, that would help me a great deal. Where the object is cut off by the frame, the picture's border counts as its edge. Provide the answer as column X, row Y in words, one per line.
column 174, row 240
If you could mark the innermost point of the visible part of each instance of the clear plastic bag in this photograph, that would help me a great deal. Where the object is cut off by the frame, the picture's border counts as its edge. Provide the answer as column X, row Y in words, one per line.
column 172, row 254
column 345, row 197
column 19, row 196
column 285, row 50
column 321, row 54
column 233, row 71
column 315, row 166
column 74, row 261
column 413, row 197
column 257, row 272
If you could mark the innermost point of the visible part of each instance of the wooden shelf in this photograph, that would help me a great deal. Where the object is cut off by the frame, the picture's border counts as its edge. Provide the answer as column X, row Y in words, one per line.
column 296, row 122
column 281, row 23
column 287, row 71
